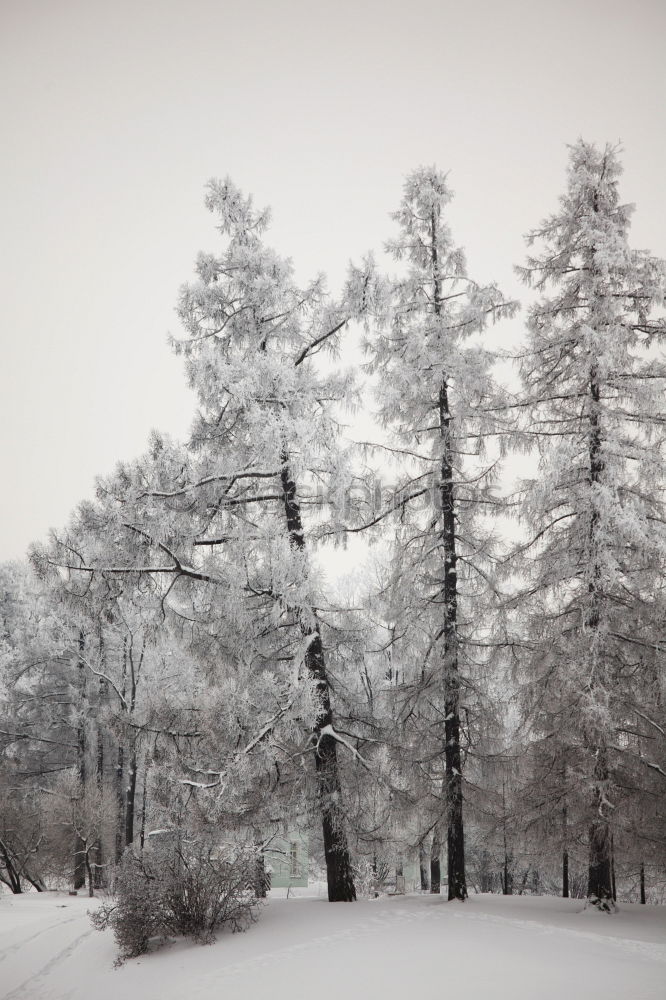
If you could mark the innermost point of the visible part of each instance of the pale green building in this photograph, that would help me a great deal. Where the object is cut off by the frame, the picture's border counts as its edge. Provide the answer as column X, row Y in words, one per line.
column 286, row 858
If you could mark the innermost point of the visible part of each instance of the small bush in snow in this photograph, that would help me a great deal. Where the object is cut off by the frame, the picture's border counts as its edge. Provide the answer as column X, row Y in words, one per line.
column 370, row 877
column 185, row 889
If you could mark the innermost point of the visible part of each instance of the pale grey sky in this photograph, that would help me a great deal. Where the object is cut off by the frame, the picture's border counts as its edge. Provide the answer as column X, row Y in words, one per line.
column 115, row 115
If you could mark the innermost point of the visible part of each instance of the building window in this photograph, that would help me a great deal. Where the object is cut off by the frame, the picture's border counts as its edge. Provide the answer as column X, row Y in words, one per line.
column 294, row 867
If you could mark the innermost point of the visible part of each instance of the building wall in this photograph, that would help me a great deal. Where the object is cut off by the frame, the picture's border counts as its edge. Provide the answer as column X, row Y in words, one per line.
column 287, row 859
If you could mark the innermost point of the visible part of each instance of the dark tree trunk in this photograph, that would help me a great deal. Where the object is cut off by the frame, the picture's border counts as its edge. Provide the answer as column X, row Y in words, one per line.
column 144, row 802
column 121, row 842
column 507, row 878
column 79, row 845
column 507, row 875
column 600, row 879
column 338, row 862
column 455, row 835
column 565, row 852
column 485, row 875
column 133, row 676
column 642, row 883
column 130, row 796
column 375, row 880
column 37, row 883
column 435, row 862
column 99, row 857
column 423, row 867
column 260, row 875
column 613, row 882
column 89, row 873
column 600, row 872
column 120, row 802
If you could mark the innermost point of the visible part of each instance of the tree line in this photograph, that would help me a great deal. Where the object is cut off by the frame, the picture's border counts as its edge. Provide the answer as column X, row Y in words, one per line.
column 489, row 688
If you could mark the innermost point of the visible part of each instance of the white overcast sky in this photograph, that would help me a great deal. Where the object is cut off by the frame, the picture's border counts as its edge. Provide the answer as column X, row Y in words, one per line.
column 116, row 112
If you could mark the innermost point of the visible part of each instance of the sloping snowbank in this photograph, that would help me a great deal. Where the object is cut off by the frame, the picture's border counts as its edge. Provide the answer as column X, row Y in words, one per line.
column 523, row 948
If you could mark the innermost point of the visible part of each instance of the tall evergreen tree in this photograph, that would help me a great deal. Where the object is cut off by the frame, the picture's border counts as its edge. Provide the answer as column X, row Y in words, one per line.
column 437, row 394
column 229, row 509
column 253, row 334
column 594, row 387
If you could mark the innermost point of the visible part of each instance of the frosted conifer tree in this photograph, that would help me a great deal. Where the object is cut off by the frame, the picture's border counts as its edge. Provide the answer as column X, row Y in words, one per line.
column 594, row 382
column 269, row 442
column 436, row 393
column 228, row 510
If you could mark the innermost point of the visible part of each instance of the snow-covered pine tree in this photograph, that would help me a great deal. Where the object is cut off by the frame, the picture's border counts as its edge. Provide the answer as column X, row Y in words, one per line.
column 594, row 385
column 437, row 394
column 228, row 510
column 253, row 333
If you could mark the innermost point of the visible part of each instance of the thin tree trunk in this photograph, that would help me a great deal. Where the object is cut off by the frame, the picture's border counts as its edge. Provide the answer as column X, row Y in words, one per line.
column 455, row 835
column 507, row 880
column 99, row 854
column 121, row 843
column 565, row 852
column 375, row 881
column 642, row 883
column 133, row 677
column 37, row 883
column 485, row 875
column 507, row 877
column 260, row 880
column 130, row 796
column 423, row 867
column 79, row 845
column 338, row 861
column 89, row 872
column 144, row 801
column 435, row 862
column 613, row 882
column 120, row 802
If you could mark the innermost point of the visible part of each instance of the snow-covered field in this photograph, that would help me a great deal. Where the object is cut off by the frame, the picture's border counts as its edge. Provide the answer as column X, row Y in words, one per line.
column 523, row 948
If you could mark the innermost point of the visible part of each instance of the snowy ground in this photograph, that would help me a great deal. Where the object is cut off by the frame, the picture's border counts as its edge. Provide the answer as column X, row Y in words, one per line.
column 493, row 947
